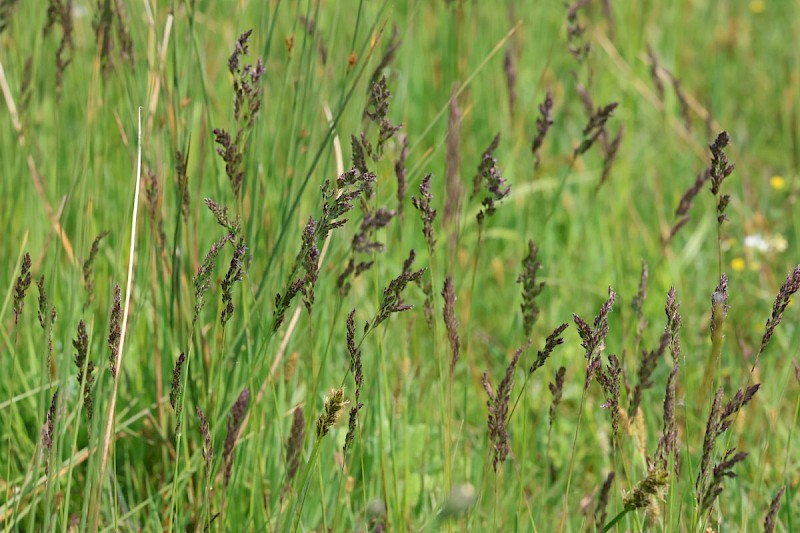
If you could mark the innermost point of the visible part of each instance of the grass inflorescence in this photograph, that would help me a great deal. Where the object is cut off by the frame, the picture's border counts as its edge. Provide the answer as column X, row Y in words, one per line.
column 292, row 350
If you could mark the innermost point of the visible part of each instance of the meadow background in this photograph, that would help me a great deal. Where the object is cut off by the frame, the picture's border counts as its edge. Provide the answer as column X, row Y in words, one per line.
column 597, row 199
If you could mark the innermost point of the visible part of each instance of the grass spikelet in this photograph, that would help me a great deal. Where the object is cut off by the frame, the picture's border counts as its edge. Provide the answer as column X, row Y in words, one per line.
column 494, row 183
column 181, row 166
column 450, row 321
column 686, row 201
column 719, row 312
column 294, row 444
column 428, row 214
column 358, row 377
column 377, row 111
column 152, row 195
column 667, row 444
column 610, row 155
column 21, row 286
column 712, row 429
column 498, row 410
column 202, row 279
column 647, row 365
column 175, row 385
column 709, row 481
column 543, row 124
column 782, row 299
column 531, row 288
column 235, row 273
column 208, row 449
column 46, row 319
column 307, row 260
column 393, row 294
column 48, row 430
column 248, row 92
column 556, row 388
column 609, row 379
column 552, row 341
column 720, row 169
column 114, row 330
column 595, row 127
column 646, row 493
column 772, row 513
column 722, row 470
column 235, row 419
column 577, row 44
column 233, row 225
column 594, row 337
column 85, row 369
column 334, row 403
column 88, row 269
column 655, row 68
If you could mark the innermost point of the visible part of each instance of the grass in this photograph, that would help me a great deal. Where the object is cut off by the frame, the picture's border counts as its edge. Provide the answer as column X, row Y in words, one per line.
column 384, row 388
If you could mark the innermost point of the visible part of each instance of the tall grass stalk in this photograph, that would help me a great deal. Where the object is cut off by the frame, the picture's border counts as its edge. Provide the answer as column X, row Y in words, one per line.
column 111, row 417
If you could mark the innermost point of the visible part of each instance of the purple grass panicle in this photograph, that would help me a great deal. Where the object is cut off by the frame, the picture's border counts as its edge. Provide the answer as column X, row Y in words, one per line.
column 772, row 513
column 115, row 331
column 782, row 299
column 294, row 444
column 428, row 214
column 21, row 286
column 498, row 410
column 88, row 269
column 531, row 288
column 451, row 321
column 543, row 124
column 235, row 420
column 496, row 187
column 85, row 369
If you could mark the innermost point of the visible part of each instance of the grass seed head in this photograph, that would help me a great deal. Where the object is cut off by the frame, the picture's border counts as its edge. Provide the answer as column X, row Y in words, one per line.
column 235, row 420
column 451, row 321
column 294, row 444
column 115, row 330
column 531, row 288
column 205, row 432
column 787, row 290
column 495, row 185
column 543, row 124
column 21, row 286
column 334, row 403
column 88, row 269
column 423, row 204
column 85, row 368
column 557, row 390
column 774, row 507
